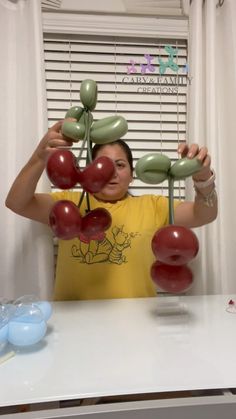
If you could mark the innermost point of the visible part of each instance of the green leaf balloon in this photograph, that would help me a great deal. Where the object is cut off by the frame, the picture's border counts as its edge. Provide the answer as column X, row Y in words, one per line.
column 153, row 168
column 108, row 129
column 73, row 130
column 185, row 167
column 74, row 112
column 88, row 94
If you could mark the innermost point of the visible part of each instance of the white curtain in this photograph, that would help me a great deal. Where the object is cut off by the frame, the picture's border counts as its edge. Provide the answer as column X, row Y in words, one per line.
column 26, row 255
column 212, row 122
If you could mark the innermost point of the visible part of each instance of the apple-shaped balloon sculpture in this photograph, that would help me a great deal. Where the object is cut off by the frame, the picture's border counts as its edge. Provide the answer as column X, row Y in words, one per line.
column 61, row 169
column 172, row 278
column 173, row 275
column 94, row 225
column 65, row 219
column 173, row 246
column 64, row 171
column 97, row 174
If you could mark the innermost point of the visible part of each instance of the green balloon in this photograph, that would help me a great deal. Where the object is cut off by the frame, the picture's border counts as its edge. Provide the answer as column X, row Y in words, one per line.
column 88, row 94
column 185, row 167
column 108, row 129
column 73, row 130
column 153, row 168
column 74, row 112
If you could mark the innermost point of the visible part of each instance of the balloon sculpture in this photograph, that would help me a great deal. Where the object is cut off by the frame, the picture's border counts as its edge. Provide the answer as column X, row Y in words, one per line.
column 64, row 171
column 24, row 321
column 173, row 246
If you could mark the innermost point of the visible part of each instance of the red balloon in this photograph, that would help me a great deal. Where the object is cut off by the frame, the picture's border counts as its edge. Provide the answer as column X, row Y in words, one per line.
column 61, row 169
column 173, row 279
column 175, row 245
column 94, row 224
column 97, row 174
column 65, row 220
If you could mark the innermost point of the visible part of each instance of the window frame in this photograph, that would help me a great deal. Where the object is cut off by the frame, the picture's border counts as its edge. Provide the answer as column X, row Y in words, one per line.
column 115, row 25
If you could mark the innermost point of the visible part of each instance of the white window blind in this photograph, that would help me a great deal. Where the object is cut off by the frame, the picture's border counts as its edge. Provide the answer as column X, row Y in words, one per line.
column 127, row 72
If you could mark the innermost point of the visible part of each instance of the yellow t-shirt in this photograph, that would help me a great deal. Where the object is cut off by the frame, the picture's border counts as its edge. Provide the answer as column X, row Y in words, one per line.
column 119, row 266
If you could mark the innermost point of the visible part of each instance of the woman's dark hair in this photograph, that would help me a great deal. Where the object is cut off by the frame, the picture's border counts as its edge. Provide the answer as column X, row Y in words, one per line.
column 122, row 144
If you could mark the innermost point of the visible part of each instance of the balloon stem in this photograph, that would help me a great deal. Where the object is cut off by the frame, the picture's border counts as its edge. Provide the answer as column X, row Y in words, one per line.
column 89, row 152
column 88, row 203
column 88, row 122
column 88, row 209
column 81, row 149
column 89, row 148
column 88, row 119
column 81, row 199
column 171, row 199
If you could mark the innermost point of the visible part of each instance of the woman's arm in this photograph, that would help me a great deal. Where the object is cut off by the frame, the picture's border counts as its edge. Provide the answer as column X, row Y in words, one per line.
column 22, row 198
column 204, row 208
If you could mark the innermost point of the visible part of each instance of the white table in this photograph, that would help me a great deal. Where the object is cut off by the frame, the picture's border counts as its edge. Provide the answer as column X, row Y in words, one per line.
column 128, row 346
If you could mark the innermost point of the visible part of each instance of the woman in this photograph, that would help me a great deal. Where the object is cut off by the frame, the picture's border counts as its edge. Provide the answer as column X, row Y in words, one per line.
column 119, row 265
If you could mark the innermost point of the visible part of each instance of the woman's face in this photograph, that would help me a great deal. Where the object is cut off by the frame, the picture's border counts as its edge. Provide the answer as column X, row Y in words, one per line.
column 117, row 188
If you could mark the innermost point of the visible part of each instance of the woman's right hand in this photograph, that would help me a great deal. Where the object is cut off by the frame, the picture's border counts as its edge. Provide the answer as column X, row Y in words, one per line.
column 52, row 139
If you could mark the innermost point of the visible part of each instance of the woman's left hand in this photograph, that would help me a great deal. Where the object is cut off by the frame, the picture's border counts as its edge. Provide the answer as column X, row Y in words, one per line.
column 201, row 153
